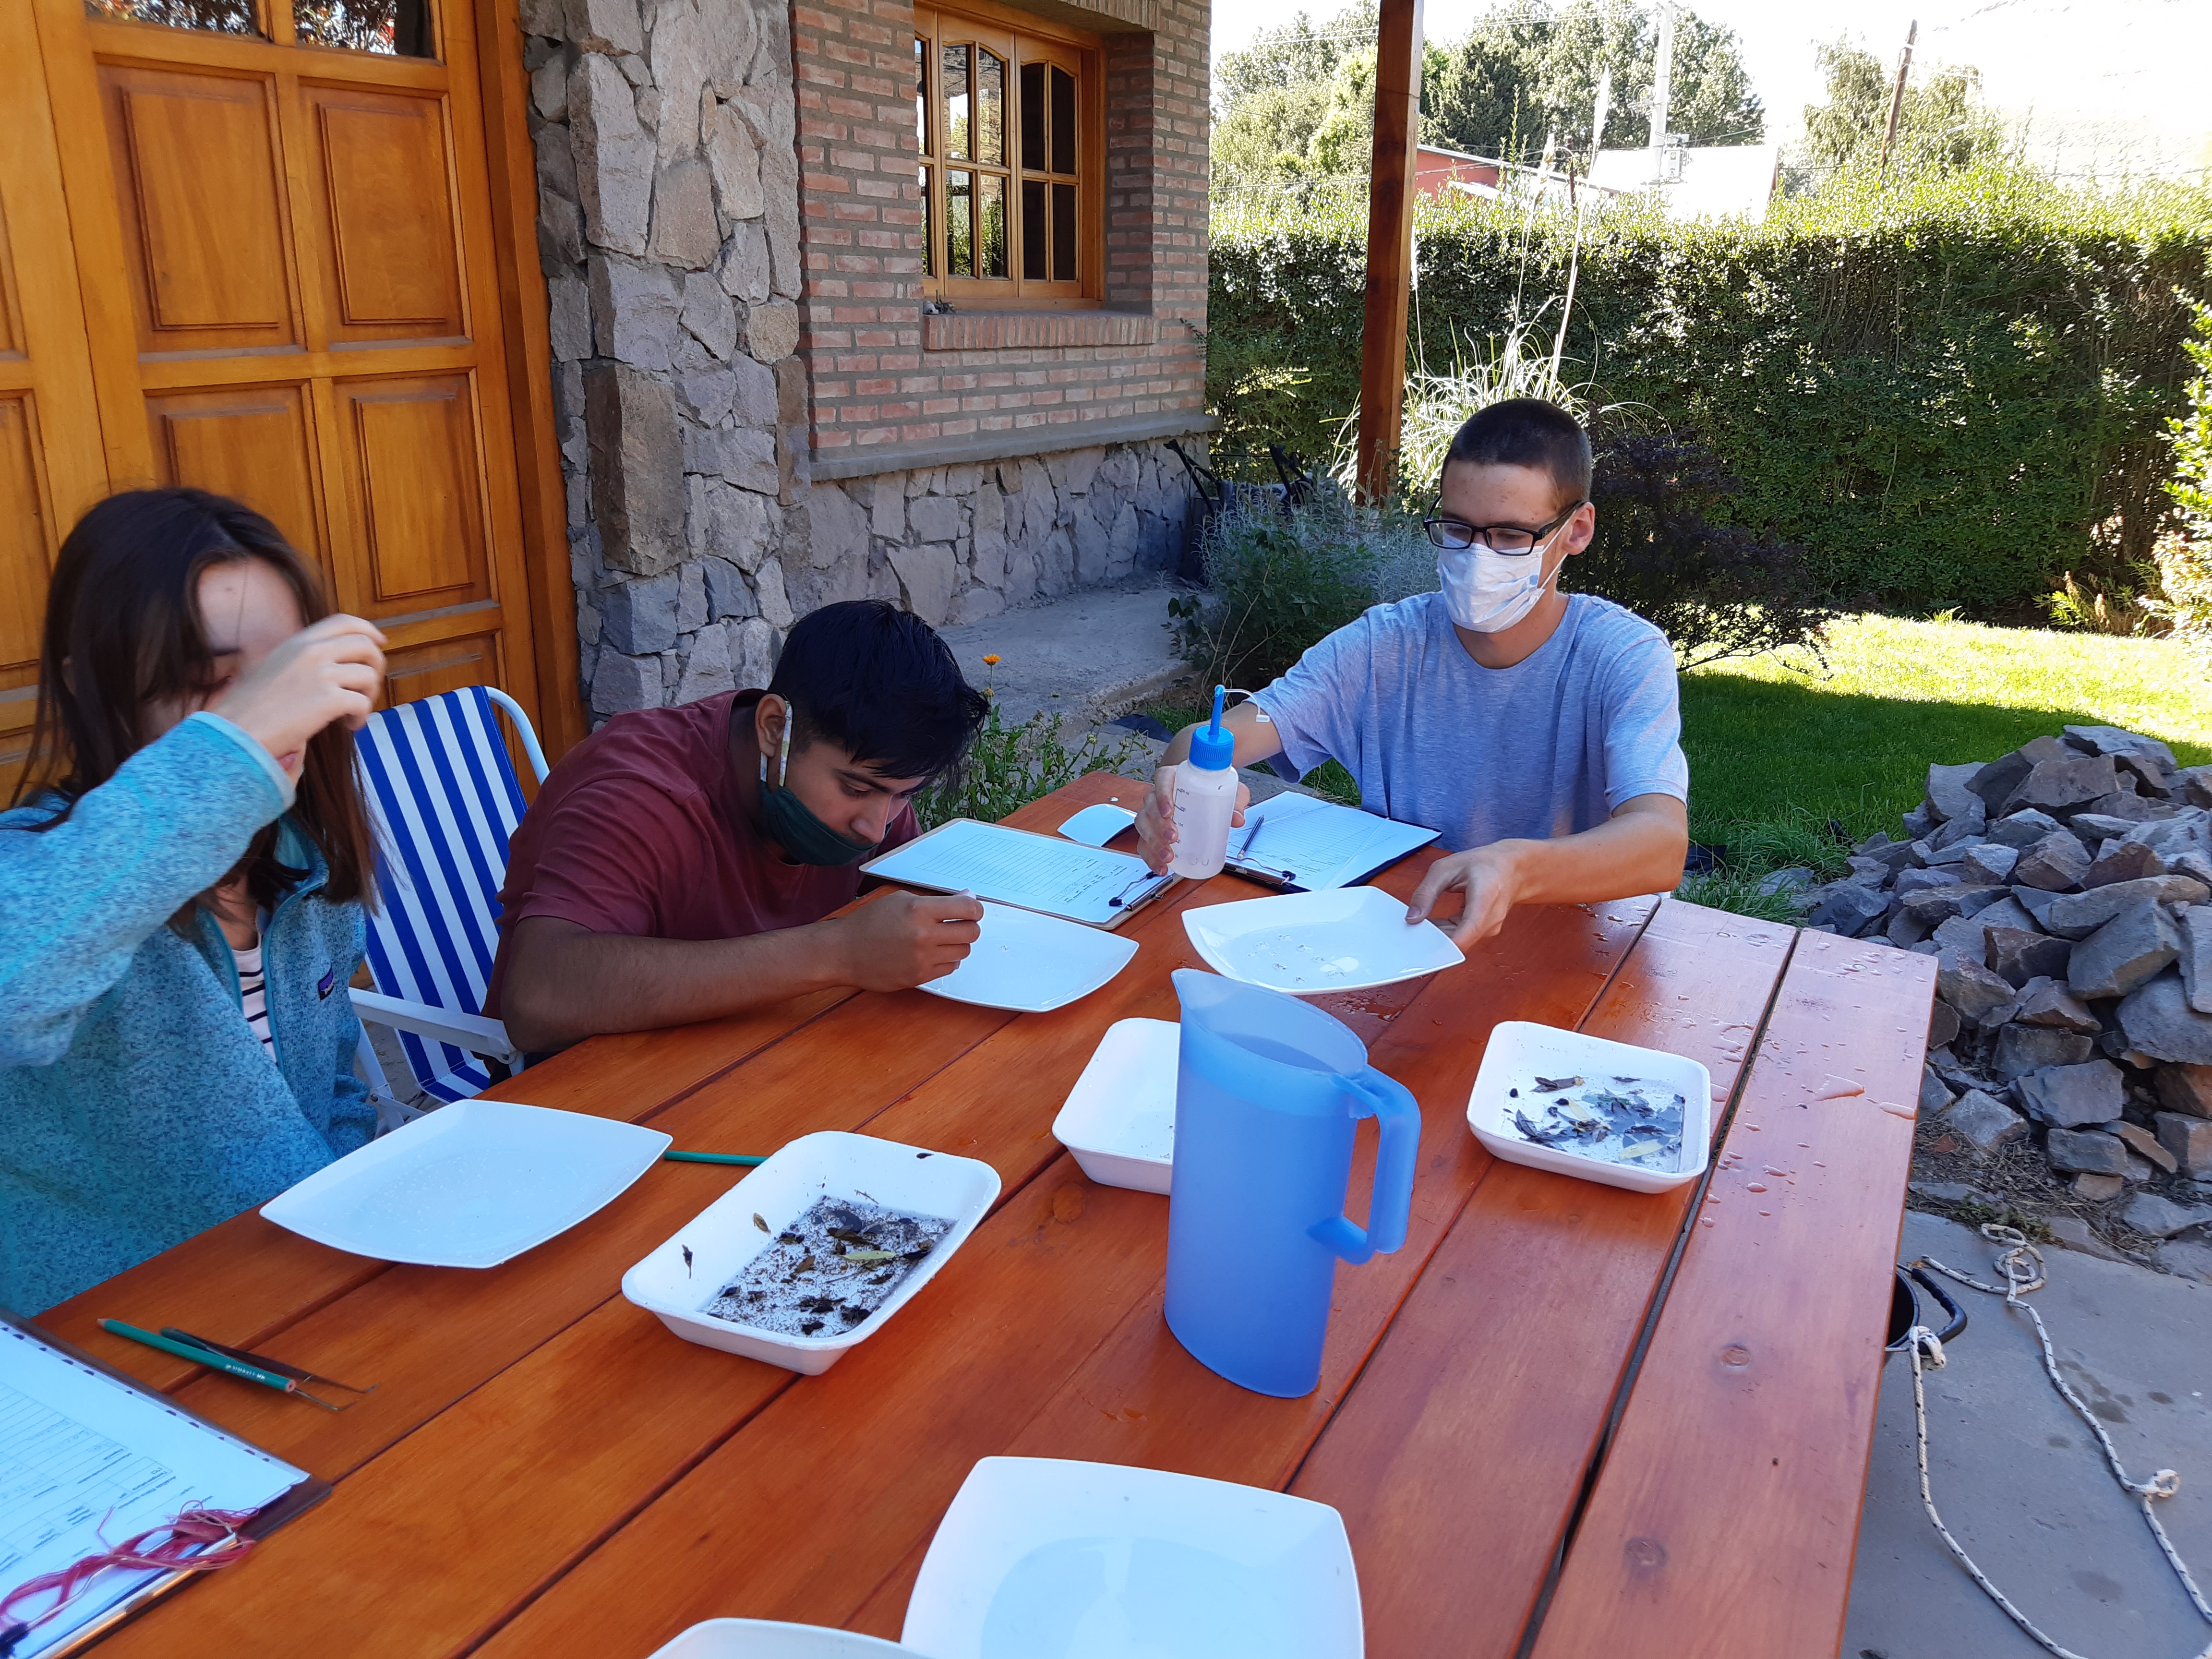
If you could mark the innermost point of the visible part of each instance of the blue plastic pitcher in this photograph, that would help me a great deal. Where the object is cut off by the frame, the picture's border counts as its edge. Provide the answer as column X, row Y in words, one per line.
column 1266, row 1093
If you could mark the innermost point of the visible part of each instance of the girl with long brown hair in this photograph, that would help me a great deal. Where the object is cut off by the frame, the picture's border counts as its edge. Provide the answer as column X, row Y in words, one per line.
column 181, row 878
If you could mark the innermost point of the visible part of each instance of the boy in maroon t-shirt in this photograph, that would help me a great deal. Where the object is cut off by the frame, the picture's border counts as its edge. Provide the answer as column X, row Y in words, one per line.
column 682, row 864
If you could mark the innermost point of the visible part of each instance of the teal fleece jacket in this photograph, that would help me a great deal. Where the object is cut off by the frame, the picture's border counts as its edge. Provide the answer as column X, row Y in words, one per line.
column 137, row 1107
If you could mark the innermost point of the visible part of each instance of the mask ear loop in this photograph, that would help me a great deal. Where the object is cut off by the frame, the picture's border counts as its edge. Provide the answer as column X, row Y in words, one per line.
column 783, row 753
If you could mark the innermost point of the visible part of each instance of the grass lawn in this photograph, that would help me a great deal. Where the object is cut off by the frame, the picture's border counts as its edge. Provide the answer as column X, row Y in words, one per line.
column 1779, row 746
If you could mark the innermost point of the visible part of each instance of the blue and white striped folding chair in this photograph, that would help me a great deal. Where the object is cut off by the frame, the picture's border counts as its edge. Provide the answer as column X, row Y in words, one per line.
column 445, row 801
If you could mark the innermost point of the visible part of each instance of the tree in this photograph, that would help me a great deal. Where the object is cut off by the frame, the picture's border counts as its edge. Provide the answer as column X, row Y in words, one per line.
column 1529, row 69
column 1943, row 124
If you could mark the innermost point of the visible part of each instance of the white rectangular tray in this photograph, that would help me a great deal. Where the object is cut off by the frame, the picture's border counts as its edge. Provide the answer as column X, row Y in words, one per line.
column 1521, row 1050
column 469, row 1185
column 723, row 1238
column 1119, row 1120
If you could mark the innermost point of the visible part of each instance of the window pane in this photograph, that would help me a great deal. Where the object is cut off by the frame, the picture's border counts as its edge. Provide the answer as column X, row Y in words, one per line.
column 1033, row 264
column 1033, row 116
column 394, row 28
column 956, row 102
column 990, row 225
column 1063, row 232
column 1063, row 120
column 928, row 241
column 222, row 16
column 959, row 224
column 921, row 95
column 990, row 106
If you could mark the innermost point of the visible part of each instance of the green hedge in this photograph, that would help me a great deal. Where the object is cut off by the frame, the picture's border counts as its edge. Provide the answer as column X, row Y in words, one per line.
column 1949, row 390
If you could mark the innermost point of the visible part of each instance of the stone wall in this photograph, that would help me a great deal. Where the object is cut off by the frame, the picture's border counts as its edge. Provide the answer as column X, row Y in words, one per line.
column 668, row 232
column 669, row 156
column 959, row 544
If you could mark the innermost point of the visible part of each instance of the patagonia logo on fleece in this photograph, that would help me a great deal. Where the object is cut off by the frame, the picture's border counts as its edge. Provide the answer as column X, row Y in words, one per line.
column 326, row 985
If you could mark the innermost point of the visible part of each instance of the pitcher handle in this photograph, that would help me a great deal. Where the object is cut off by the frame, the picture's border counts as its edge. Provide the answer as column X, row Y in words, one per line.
column 1398, row 1115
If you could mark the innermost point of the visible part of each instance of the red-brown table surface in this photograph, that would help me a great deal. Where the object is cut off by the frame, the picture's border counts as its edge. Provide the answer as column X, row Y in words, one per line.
column 1608, row 1422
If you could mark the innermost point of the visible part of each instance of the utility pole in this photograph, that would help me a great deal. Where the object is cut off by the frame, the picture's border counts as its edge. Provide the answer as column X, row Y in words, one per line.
column 1662, row 80
column 1897, row 98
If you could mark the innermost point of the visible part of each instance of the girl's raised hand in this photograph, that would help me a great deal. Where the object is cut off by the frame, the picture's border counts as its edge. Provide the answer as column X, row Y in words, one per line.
column 328, row 672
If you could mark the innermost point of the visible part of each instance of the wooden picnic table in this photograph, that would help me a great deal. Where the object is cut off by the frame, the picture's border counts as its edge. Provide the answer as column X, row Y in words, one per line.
column 1611, row 1423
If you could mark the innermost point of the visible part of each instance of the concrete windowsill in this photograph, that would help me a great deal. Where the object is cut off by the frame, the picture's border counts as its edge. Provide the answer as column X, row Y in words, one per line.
column 995, row 330
column 1045, row 439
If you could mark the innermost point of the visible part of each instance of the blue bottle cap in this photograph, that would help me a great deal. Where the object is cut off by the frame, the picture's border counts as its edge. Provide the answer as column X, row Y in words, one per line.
column 1212, row 748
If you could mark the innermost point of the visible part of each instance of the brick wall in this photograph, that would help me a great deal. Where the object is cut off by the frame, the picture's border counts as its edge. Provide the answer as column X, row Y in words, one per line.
column 879, row 373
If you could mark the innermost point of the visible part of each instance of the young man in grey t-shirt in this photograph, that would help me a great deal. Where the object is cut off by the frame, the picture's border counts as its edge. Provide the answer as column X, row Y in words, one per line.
column 1539, row 730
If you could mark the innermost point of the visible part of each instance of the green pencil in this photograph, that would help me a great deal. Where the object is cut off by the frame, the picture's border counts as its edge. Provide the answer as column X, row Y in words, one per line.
column 213, row 1361
column 712, row 1157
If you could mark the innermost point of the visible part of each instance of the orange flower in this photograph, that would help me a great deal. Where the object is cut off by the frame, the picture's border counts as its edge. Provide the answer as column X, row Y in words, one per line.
column 991, row 661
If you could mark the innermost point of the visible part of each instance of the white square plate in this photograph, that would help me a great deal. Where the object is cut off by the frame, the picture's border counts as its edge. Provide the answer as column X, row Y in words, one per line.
column 1041, row 1558
column 770, row 1638
column 1119, row 1120
column 1521, row 1050
column 469, row 1185
column 1346, row 938
column 1033, row 963
column 678, row 1280
column 1094, row 826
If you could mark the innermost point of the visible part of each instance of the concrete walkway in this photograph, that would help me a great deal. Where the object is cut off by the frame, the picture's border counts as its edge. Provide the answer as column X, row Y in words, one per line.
column 2019, row 1480
column 1091, row 656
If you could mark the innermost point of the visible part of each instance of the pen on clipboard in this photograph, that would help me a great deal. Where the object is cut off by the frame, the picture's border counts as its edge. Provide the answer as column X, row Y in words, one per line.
column 1266, row 875
column 215, row 1361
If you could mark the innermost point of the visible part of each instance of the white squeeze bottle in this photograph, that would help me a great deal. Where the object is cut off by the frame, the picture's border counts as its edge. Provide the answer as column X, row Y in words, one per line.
column 1205, row 798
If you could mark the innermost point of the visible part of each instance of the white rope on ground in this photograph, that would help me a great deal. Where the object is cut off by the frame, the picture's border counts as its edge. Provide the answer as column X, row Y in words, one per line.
column 2021, row 1264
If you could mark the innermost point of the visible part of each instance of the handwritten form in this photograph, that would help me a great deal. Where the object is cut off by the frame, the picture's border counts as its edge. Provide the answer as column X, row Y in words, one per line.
column 85, row 1462
column 1032, row 872
column 1317, row 844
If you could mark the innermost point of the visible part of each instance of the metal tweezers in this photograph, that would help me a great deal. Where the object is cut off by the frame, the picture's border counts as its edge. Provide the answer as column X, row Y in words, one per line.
column 281, row 1367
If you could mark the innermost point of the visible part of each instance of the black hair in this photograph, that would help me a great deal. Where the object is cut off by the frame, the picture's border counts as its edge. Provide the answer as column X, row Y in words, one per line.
column 879, row 683
column 123, row 630
column 1532, row 433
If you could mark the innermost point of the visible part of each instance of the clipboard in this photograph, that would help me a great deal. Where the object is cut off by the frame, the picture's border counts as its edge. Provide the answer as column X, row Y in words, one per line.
column 295, row 1501
column 1117, row 874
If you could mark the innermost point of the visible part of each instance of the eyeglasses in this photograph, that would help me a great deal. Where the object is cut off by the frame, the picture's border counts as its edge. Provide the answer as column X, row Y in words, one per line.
column 1511, row 539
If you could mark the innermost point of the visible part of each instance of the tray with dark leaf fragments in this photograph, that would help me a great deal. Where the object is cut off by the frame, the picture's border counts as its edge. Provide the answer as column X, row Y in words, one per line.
column 1592, row 1107
column 829, row 1269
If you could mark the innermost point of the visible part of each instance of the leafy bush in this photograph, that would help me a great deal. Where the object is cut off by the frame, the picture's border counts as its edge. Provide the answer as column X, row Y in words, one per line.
column 1010, row 766
column 1280, row 582
column 1714, row 589
column 2184, row 558
column 1947, row 389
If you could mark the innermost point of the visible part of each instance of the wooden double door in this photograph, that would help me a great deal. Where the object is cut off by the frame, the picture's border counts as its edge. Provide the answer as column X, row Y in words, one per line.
column 251, row 246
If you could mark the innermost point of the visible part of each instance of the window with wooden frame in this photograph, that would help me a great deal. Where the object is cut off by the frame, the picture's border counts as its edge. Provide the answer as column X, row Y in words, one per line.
column 1010, row 125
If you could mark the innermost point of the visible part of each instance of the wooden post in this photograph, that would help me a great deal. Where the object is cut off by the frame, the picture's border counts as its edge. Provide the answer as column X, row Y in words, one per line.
column 1389, row 244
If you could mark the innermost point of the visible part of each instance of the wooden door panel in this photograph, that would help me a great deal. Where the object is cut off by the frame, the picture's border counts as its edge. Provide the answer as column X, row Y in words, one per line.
column 424, row 671
column 394, row 269
column 251, row 444
column 201, row 208
column 418, row 498
column 25, row 544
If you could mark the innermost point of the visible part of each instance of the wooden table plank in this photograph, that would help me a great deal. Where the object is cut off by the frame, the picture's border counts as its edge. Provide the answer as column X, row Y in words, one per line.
column 1497, row 1376
column 1026, row 1304
column 247, row 1281
column 1725, row 1516
column 1141, row 1399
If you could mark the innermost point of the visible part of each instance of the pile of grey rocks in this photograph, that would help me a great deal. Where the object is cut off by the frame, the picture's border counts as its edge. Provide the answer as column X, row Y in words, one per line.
column 2066, row 891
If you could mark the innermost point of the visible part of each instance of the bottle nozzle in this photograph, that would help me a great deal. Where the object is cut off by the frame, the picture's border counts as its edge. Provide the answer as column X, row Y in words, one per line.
column 1220, row 692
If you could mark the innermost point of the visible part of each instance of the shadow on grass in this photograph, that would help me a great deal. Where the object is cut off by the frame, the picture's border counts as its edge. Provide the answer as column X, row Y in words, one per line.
column 1764, row 752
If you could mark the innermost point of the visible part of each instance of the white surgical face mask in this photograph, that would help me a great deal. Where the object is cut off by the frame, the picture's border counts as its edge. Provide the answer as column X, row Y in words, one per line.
column 1487, row 592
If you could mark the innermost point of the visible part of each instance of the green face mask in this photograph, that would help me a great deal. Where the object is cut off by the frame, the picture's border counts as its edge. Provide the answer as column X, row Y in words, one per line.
column 793, row 826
